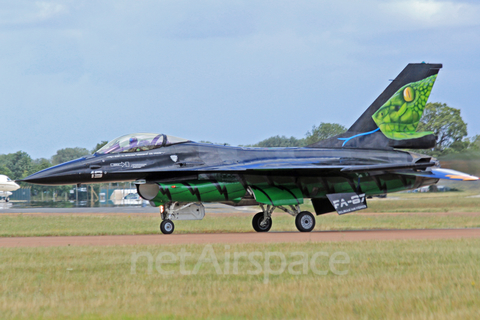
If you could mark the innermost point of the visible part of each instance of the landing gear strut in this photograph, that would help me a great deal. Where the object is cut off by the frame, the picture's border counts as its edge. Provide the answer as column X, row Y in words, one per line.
column 168, row 213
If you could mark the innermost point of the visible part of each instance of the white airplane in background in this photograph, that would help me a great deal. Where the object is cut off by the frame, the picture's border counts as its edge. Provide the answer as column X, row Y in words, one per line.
column 6, row 186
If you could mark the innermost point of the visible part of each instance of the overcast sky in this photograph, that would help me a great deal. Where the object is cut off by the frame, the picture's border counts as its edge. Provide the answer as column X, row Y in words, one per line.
column 74, row 73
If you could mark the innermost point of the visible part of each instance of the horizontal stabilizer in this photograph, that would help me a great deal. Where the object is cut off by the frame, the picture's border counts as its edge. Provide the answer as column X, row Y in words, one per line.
column 446, row 174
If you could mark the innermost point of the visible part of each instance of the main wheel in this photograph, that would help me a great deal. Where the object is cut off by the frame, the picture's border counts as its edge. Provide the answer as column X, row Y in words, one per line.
column 256, row 223
column 305, row 221
column 167, row 226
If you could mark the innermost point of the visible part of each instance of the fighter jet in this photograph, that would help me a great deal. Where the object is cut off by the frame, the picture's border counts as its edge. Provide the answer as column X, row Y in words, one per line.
column 338, row 174
column 6, row 186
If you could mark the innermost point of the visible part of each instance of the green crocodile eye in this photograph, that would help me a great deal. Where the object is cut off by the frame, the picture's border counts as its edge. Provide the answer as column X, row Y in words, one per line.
column 408, row 94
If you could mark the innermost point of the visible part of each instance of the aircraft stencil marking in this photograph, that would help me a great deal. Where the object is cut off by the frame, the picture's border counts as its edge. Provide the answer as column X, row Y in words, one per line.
column 121, row 164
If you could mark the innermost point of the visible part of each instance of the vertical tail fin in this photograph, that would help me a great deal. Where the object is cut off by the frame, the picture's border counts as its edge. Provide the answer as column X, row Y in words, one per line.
column 413, row 72
column 391, row 120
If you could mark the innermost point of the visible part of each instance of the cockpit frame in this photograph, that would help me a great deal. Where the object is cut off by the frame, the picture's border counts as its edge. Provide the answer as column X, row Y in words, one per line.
column 137, row 142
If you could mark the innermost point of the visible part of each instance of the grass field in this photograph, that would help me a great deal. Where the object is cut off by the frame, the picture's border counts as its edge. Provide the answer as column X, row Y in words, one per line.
column 389, row 279
column 440, row 210
column 102, row 224
column 427, row 202
column 403, row 279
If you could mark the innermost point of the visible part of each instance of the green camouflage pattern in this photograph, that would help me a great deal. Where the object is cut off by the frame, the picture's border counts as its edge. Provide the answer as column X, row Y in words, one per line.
column 279, row 190
column 280, row 195
column 199, row 191
column 399, row 117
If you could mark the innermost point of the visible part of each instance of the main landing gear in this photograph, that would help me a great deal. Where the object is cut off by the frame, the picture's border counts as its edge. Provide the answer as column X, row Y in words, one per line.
column 304, row 220
column 262, row 221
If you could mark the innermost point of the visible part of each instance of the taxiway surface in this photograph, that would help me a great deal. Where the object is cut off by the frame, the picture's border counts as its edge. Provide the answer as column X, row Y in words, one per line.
column 232, row 238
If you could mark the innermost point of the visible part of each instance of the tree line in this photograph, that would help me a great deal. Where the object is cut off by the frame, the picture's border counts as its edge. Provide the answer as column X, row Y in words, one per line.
column 444, row 121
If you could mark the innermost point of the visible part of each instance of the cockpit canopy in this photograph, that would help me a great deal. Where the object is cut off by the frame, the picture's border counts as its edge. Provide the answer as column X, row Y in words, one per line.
column 139, row 142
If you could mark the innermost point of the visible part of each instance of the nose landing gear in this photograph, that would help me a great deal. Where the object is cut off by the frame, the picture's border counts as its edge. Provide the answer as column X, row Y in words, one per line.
column 167, row 226
column 179, row 211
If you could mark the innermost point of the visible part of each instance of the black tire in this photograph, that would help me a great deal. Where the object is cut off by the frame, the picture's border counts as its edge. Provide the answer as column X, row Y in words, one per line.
column 256, row 223
column 305, row 221
column 167, row 226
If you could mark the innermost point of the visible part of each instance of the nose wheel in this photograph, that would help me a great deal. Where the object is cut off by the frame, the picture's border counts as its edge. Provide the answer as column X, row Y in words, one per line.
column 167, row 226
column 305, row 221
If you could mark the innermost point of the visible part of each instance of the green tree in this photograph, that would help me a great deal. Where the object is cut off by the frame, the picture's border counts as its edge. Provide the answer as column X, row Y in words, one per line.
column 99, row 146
column 447, row 124
column 210, row 142
column 474, row 143
column 4, row 170
column 40, row 164
column 324, row 131
column 19, row 164
column 280, row 141
column 67, row 154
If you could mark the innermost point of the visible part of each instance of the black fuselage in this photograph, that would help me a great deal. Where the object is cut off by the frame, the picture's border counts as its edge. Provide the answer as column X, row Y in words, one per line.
column 315, row 170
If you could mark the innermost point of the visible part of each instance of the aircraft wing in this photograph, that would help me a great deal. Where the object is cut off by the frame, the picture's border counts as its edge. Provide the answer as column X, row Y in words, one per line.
column 306, row 164
column 300, row 164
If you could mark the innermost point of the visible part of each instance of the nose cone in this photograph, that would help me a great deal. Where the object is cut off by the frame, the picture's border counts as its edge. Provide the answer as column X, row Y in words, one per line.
column 15, row 186
column 46, row 177
column 71, row 172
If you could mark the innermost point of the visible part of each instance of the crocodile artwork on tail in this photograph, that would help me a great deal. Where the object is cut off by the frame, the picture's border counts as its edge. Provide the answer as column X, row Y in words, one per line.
column 399, row 117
